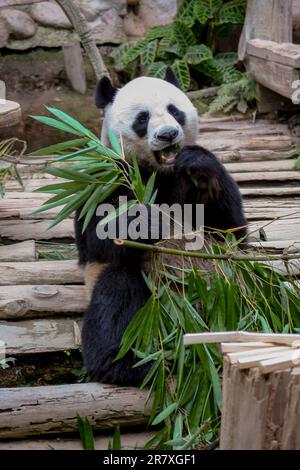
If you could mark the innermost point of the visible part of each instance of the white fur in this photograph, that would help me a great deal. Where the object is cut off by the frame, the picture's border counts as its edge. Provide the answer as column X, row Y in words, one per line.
column 153, row 95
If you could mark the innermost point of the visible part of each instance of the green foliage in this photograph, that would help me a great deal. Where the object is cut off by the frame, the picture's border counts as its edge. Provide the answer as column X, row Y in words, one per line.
column 185, row 383
column 188, row 44
column 11, row 150
column 236, row 94
column 86, row 433
column 93, row 172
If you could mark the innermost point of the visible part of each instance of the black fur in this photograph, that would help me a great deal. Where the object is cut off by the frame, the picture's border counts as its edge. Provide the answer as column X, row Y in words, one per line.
column 170, row 77
column 105, row 93
column 140, row 123
column 177, row 114
column 197, row 177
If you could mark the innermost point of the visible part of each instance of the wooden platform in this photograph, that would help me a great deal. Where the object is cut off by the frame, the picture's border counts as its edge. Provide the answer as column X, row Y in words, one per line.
column 42, row 296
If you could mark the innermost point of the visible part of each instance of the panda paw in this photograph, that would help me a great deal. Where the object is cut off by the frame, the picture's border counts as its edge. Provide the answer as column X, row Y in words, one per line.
column 200, row 165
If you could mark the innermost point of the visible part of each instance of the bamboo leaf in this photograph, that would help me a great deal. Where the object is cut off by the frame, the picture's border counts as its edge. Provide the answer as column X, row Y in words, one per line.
column 164, row 414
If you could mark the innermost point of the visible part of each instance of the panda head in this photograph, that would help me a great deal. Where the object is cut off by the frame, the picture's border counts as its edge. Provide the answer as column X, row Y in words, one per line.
column 154, row 117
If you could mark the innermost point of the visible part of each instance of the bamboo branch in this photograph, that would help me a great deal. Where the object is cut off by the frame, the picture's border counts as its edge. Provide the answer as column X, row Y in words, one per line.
column 84, row 31
column 196, row 254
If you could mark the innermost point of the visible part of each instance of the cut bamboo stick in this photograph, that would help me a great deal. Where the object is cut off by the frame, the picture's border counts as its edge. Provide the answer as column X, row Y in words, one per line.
column 286, row 360
column 235, row 357
column 253, row 361
column 231, row 336
column 241, row 347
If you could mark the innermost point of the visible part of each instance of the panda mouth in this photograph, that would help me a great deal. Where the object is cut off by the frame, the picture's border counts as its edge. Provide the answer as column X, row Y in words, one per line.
column 167, row 156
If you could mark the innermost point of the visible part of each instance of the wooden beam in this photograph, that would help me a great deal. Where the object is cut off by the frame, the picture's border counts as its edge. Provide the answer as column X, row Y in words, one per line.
column 284, row 53
column 40, row 336
column 271, row 20
column 30, row 411
column 277, row 77
column 41, row 300
column 40, row 272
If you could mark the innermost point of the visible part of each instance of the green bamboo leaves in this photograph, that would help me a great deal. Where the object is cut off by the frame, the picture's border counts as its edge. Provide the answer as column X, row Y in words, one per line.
column 91, row 172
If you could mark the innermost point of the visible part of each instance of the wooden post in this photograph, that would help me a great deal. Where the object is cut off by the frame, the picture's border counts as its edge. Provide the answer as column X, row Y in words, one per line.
column 260, row 412
column 75, row 66
column 269, row 20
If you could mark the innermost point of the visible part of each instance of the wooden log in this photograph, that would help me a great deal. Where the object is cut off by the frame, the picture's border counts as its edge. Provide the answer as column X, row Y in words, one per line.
column 257, row 155
column 267, row 176
column 289, row 246
column 284, row 53
column 35, row 229
column 270, row 191
column 30, row 411
column 41, row 272
column 41, row 300
column 260, row 412
column 279, row 229
column 259, row 127
column 74, row 66
column 223, row 141
column 23, row 251
column 40, row 336
column 10, row 114
column 249, row 167
column 129, row 441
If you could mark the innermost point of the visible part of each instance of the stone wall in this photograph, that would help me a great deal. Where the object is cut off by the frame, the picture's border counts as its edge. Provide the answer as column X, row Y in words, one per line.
column 26, row 24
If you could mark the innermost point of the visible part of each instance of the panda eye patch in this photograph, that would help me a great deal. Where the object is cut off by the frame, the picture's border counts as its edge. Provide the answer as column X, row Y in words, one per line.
column 177, row 114
column 143, row 116
column 140, row 123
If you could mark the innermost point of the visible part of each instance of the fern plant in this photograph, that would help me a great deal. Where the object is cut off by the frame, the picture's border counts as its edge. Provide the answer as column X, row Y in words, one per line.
column 188, row 44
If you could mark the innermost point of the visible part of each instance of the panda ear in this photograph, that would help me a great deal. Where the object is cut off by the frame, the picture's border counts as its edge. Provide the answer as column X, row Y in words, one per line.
column 105, row 92
column 171, row 77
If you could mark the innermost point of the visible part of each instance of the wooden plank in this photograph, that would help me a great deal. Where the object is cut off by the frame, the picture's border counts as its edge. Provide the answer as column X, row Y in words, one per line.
column 225, row 141
column 74, row 66
column 271, row 191
column 23, row 251
column 236, row 155
column 277, row 77
column 129, row 441
column 28, row 301
column 249, row 167
column 40, row 272
column 35, row 230
column 242, row 347
column 39, row 336
column 282, row 53
column 53, row 409
column 267, row 176
column 258, row 127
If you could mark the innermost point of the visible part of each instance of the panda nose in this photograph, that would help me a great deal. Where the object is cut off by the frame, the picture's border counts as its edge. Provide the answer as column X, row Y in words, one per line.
column 167, row 134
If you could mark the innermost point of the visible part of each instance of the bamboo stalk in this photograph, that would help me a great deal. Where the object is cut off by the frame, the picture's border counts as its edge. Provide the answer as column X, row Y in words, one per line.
column 196, row 254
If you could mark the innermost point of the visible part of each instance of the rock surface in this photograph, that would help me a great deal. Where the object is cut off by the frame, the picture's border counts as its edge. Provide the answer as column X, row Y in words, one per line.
column 4, row 33
column 18, row 23
column 157, row 12
column 50, row 14
column 44, row 37
column 108, row 28
column 92, row 8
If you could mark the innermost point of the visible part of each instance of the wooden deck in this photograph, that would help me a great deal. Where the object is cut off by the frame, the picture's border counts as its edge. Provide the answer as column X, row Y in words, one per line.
column 42, row 300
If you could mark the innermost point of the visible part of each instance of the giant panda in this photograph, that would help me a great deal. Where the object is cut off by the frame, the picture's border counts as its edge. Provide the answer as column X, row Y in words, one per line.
column 152, row 115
